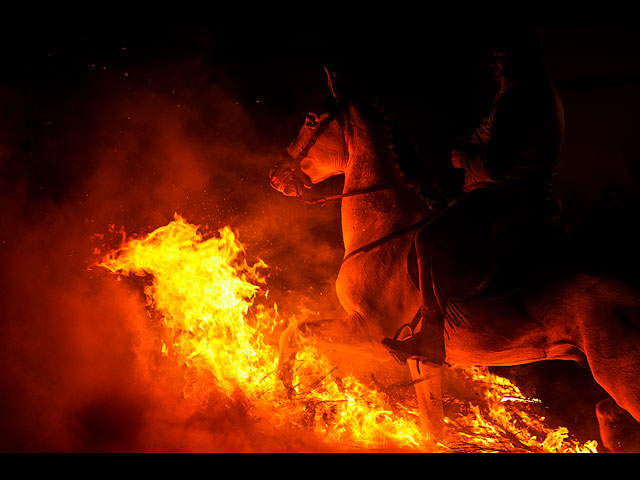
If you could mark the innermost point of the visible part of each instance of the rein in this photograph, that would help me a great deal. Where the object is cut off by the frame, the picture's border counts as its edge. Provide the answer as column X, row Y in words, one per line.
column 324, row 200
column 386, row 238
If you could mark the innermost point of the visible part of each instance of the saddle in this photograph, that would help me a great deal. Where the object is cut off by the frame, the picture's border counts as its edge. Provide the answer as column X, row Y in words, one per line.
column 494, row 268
column 498, row 266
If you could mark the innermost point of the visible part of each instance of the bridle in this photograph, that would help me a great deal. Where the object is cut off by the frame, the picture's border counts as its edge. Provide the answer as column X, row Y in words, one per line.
column 300, row 177
column 303, row 179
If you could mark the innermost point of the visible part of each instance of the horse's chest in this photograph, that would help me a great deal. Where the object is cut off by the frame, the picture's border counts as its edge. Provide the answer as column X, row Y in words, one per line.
column 377, row 284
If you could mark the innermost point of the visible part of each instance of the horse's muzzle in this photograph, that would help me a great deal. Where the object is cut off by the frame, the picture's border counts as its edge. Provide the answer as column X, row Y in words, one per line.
column 286, row 180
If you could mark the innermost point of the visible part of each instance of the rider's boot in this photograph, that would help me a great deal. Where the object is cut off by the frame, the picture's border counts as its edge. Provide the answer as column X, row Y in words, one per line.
column 427, row 347
column 427, row 344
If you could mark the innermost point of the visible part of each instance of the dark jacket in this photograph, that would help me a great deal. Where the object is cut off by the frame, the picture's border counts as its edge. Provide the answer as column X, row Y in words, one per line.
column 517, row 143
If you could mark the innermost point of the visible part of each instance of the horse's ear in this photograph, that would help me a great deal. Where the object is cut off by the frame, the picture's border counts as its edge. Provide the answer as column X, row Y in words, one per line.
column 337, row 86
column 331, row 79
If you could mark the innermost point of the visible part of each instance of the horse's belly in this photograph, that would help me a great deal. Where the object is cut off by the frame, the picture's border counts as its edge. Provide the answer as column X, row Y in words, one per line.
column 501, row 331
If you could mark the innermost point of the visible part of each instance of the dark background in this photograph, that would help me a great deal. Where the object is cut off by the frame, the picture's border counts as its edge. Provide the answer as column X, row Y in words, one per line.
column 120, row 123
column 432, row 73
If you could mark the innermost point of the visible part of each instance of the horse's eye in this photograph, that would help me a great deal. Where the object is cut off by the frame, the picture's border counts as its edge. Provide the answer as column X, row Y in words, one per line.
column 312, row 122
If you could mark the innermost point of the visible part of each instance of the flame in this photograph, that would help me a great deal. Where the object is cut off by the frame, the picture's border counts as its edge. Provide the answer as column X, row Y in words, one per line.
column 220, row 326
column 507, row 421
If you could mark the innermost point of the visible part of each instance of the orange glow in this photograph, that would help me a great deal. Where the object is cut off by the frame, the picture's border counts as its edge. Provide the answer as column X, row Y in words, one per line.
column 219, row 325
column 505, row 420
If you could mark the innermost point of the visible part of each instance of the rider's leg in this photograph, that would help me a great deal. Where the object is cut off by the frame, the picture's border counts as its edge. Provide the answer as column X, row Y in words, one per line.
column 427, row 343
column 430, row 339
column 435, row 243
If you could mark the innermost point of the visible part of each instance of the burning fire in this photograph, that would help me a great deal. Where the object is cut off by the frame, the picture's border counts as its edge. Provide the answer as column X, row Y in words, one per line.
column 219, row 324
column 505, row 420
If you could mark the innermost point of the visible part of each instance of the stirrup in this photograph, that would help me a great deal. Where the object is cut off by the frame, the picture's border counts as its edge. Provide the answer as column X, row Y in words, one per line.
column 390, row 343
column 402, row 357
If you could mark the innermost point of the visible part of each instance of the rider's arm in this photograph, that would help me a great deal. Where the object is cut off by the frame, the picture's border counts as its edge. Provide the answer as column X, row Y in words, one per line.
column 497, row 142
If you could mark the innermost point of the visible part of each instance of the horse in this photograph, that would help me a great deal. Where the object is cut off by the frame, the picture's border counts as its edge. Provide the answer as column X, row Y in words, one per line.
column 556, row 314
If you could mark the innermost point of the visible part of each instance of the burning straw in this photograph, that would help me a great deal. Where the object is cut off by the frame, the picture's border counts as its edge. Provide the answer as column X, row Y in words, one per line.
column 220, row 326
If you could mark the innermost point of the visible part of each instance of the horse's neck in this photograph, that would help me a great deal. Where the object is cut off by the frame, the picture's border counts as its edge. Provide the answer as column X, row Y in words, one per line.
column 369, row 217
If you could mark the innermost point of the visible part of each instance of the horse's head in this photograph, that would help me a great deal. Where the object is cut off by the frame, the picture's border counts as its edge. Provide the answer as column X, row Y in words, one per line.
column 318, row 152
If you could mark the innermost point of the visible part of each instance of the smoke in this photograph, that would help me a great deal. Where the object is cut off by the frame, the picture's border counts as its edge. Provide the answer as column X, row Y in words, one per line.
column 101, row 137
column 122, row 150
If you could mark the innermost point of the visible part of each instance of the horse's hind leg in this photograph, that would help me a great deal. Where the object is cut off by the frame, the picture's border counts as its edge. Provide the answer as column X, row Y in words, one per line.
column 611, row 338
column 619, row 432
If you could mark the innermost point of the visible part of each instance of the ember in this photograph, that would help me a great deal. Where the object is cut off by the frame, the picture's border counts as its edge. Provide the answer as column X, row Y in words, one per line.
column 219, row 324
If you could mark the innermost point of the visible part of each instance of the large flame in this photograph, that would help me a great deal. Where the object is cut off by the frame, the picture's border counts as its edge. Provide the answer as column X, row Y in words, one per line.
column 220, row 326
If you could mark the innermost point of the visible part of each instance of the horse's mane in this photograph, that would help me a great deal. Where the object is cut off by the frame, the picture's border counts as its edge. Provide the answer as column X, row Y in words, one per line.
column 405, row 156
column 403, row 151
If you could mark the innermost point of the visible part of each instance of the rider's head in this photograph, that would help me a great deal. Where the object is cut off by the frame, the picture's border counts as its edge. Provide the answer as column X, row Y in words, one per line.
column 516, row 54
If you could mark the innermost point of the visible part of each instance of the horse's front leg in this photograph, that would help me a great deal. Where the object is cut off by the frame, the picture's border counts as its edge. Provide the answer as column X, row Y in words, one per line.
column 427, row 380
column 350, row 335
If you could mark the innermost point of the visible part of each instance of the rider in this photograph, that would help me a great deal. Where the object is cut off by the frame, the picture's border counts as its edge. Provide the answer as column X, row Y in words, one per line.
column 509, row 162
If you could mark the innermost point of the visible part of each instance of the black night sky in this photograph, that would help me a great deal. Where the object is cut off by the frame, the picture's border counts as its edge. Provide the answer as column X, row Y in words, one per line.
column 117, row 123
